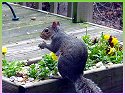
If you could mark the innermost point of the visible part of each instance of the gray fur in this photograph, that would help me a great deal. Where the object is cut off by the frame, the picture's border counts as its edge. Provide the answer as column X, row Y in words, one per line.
column 72, row 58
column 84, row 85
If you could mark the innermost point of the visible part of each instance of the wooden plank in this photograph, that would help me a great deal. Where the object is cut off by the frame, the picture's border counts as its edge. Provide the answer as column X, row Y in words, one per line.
column 53, row 7
column 24, row 3
column 106, row 79
column 70, row 9
column 14, row 52
column 26, row 29
column 40, row 6
column 85, row 11
column 82, row 12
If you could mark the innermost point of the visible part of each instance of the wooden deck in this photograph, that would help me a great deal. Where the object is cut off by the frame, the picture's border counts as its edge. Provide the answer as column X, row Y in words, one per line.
column 22, row 37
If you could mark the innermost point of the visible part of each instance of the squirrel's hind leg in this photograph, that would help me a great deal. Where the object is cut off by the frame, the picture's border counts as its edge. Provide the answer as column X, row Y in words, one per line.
column 66, row 68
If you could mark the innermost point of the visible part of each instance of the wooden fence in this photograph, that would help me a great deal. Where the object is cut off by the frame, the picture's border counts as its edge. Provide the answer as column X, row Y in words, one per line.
column 79, row 12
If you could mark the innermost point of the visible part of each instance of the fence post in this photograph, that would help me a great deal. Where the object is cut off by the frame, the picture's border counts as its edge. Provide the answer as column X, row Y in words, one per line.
column 24, row 3
column 74, row 14
column 36, row 5
column 53, row 7
column 84, row 12
column 40, row 6
column 21, row 3
column 70, row 9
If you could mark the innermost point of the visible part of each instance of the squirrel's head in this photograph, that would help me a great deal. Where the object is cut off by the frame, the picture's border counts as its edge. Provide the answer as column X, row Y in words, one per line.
column 48, row 32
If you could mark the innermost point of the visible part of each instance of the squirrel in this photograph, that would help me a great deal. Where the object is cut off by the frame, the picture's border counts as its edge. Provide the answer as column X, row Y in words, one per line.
column 73, row 55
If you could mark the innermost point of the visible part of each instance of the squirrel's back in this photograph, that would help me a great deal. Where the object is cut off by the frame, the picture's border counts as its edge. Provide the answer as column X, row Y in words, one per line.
column 71, row 46
column 72, row 58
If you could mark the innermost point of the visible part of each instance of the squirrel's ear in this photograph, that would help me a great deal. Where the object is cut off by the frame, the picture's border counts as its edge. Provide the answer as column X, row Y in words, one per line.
column 58, row 23
column 54, row 25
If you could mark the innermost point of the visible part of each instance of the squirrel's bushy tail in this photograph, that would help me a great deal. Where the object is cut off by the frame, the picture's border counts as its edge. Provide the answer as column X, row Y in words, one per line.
column 84, row 85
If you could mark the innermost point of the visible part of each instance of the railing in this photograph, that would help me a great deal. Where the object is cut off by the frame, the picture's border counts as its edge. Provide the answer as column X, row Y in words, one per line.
column 15, row 18
column 99, row 13
column 50, row 7
column 72, row 10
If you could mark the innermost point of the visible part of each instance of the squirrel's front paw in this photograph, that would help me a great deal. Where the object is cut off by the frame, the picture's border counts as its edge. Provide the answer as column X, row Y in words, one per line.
column 42, row 45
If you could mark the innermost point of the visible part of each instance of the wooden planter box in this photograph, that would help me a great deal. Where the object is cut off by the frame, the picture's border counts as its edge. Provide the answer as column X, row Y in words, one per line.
column 110, row 80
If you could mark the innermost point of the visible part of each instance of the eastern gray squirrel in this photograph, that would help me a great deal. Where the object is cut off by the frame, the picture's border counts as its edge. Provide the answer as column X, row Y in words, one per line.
column 72, row 58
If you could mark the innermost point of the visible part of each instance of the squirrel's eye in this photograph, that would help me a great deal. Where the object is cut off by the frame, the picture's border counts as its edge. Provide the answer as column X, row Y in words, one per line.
column 46, row 30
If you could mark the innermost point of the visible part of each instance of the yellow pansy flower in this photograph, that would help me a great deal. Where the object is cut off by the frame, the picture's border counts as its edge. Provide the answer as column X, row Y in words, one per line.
column 112, row 50
column 54, row 57
column 114, row 40
column 4, row 50
column 106, row 37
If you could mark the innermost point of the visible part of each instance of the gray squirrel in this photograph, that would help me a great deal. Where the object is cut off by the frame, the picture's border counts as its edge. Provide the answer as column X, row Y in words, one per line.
column 72, row 58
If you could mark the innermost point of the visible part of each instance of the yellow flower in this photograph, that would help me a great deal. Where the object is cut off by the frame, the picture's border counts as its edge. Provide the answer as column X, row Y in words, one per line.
column 4, row 50
column 54, row 57
column 112, row 51
column 114, row 40
column 106, row 37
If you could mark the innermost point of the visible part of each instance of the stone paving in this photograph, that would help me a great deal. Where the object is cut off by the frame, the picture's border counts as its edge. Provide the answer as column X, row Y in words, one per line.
column 22, row 37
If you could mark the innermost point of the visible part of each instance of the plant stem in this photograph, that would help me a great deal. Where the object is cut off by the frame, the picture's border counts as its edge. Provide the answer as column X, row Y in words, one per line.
column 86, row 30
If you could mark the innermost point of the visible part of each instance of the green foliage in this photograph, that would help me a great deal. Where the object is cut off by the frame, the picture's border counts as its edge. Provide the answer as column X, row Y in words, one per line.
column 97, row 51
column 44, row 68
column 33, row 71
column 50, row 63
column 40, row 70
column 11, row 68
column 87, row 39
